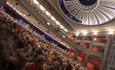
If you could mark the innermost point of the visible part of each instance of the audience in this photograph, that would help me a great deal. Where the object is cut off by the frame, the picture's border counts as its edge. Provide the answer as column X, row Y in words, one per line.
column 33, row 52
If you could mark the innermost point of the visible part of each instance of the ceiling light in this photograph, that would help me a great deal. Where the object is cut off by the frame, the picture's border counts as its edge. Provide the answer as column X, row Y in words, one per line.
column 35, row 1
column 65, row 30
column 95, row 33
column 76, row 33
column 85, row 33
column 42, row 8
column 58, row 23
column 24, row 15
column 63, row 36
column 47, row 13
column 95, row 39
column 53, row 18
column 111, row 32
column 61, row 26
column 48, row 23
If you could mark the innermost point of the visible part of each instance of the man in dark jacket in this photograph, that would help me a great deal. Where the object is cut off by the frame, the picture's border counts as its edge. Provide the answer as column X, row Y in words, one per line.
column 69, row 66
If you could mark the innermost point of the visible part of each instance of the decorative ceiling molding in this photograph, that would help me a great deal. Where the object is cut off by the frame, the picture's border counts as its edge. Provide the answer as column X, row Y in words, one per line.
column 88, row 12
column 55, row 13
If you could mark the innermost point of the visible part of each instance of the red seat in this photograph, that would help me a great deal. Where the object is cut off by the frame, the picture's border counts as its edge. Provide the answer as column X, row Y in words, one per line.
column 73, row 53
column 85, row 45
column 78, row 42
column 100, row 40
column 93, row 63
column 90, row 66
column 95, row 49
column 80, row 59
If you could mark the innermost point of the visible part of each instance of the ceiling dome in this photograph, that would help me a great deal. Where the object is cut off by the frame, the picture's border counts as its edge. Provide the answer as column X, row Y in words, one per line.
column 88, row 12
column 87, row 2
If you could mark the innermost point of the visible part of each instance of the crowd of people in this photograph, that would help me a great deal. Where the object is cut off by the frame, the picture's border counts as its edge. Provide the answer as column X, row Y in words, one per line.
column 32, row 52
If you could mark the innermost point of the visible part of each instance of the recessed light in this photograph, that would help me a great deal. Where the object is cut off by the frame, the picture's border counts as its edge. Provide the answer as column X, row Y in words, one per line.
column 53, row 18
column 35, row 1
column 58, row 23
column 76, row 33
column 111, row 32
column 65, row 30
column 47, row 13
column 95, row 39
column 24, row 15
column 85, row 33
column 63, row 36
column 95, row 32
column 48, row 23
column 42, row 8
column 61, row 26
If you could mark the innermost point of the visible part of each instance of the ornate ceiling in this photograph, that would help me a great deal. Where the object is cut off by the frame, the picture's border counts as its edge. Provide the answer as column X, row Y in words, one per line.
column 85, row 14
column 88, row 12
